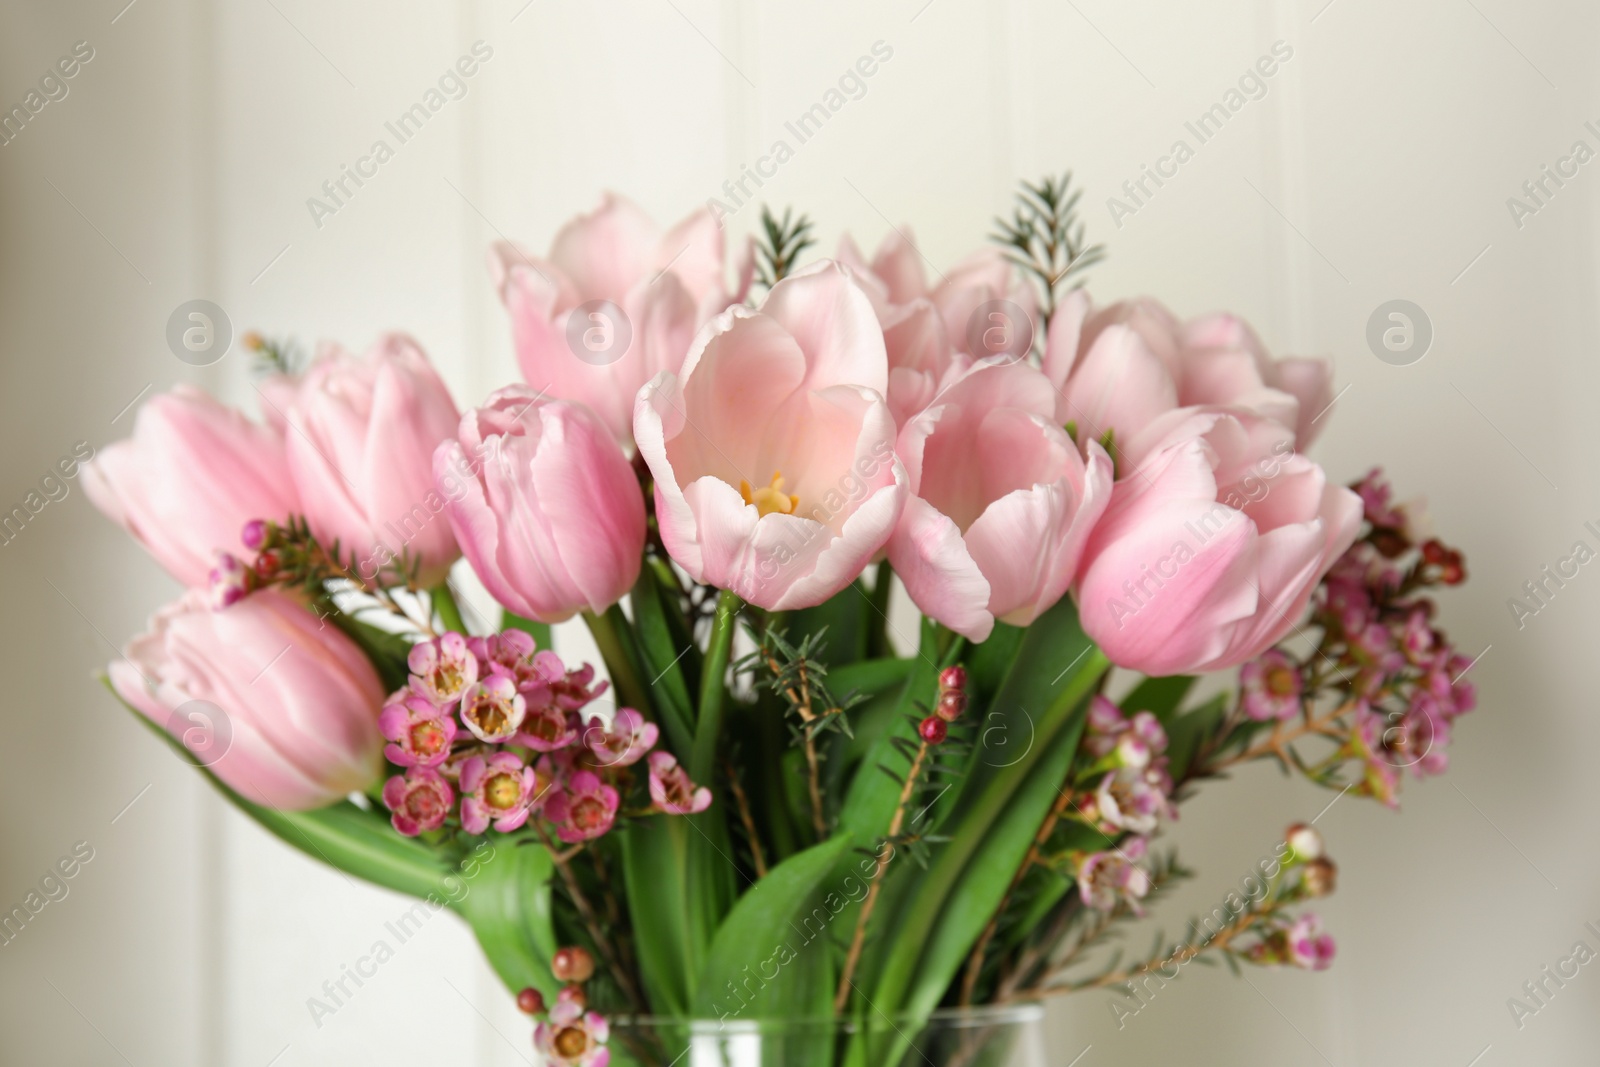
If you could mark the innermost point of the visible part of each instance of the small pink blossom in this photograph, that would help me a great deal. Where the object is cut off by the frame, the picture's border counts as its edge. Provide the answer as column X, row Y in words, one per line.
column 420, row 800
column 442, row 669
column 572, row 690
column 671, row 788
column 493, row 709
column 512, row 651
column 1307, row 945
column 1108, row 878
column 1272, row 687
column 584, row 809
column 501, row 788
column 1131, row 799
column 622, row 743
column 548, row 728
column 419, row 731
column 228, row 581
column 572, row 1037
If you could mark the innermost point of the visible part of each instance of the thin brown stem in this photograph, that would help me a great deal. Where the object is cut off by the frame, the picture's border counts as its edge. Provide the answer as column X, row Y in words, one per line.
column 1183, row 955
column 969, row 981
column 591, row 921
column 742, row 802
column 1278, row 742
column 858, row 939
column 802, row 704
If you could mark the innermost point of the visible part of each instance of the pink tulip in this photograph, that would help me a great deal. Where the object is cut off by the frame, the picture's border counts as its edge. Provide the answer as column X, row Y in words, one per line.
column 773, row 451
column 1123, row 366
column 1211, row 546
column 544, row 504
column 666, row 286
column 896, row 278
column 1002, row 502
column 280, row 705
column 188, row 480
column 362, row 436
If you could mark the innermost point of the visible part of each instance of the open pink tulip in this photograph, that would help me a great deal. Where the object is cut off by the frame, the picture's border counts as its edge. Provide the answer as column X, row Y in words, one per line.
column 773, row 451
column 281, row 706
column 193, row 473
column 1211, row 546
column 544, row 504
column 1002, row 502
column 666, row 286
column 363, row 432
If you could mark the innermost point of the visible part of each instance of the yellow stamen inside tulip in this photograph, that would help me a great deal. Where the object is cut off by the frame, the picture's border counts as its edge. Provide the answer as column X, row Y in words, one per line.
column 770, row 499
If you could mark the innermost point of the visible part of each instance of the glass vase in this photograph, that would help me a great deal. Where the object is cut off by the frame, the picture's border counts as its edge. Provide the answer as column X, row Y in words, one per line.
column 1011, row 1035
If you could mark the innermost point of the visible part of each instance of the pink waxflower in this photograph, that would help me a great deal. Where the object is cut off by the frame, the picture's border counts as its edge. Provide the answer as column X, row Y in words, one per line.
column 420, row 732
column 671, row 788
column 1002, row 501
column 1307, row 945
column 1271, row 685
column 583, row 808
column 363, row 432
column 548, row 727
column 193, row 473
column 573, row 1037
column 624, row 741
column 1211, row 547
column 773, row 448
column 278, row 704
column 572, row 690
column 546, row 507
column 502, row 789
column 1130, row 798
column 492, row 709
column 1106, row 879
column 228, row 581
column 664, row 286
column 419, row 800
column 1379, row 777
column 512, row 651
column 443, row 669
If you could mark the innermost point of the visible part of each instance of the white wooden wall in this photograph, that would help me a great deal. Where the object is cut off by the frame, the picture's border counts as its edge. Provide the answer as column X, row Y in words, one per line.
column 1376, row 166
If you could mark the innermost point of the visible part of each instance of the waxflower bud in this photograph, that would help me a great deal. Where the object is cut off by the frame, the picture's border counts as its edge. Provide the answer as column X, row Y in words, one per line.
column 1132, row 752
column 531, row 1001
column 572, row 964
column 952, row 702
column 933, row 730
column 572, row 996
column 254, row 535
column 953, row 678
column 1305, row 843
column 1319, row 878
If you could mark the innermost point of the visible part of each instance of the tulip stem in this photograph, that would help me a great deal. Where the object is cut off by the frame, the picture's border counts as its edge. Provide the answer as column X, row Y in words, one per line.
column 713, row 687
column 878, row 625
column 445, row 606
column 611, row 634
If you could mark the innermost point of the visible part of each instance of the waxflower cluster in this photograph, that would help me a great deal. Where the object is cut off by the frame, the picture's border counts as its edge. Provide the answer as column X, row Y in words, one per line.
column 569, row 1034
column 490, row 732
column 1397, row 679
column 1127, row 754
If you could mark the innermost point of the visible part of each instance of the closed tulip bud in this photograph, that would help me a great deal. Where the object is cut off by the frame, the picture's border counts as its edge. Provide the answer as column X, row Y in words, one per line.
column 545, row 505
column 193, row 473
column 361, row 452
column 572, row 964
column 280, row 706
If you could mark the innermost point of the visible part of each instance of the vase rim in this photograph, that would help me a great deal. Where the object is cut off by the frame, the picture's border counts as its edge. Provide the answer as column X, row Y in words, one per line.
column 1013, row 1013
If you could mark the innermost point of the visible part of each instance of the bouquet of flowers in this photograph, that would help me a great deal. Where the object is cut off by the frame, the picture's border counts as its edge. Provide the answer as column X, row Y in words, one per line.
column 771, row 801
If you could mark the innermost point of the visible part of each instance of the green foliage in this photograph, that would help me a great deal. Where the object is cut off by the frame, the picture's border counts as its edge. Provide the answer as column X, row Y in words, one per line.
column 780, row 244
column 1044, row 236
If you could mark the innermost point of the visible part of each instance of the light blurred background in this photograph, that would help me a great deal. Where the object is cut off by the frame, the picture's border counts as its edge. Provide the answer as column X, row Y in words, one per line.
column 1376, row 166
